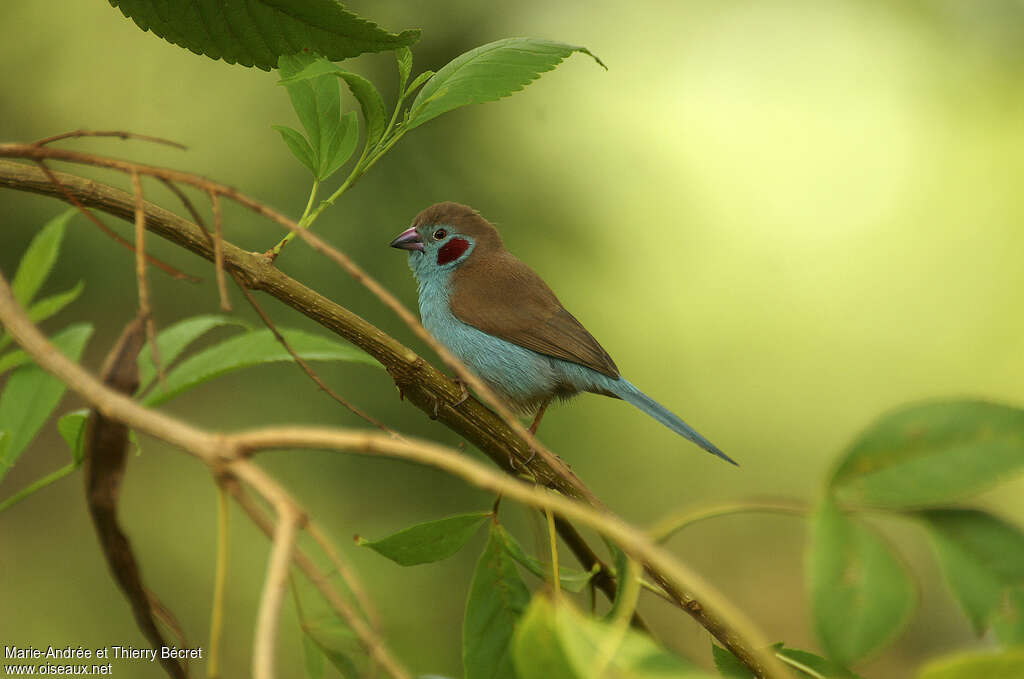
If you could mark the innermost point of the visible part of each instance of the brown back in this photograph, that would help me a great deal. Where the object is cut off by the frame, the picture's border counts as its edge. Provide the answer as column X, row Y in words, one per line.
column 495, row 292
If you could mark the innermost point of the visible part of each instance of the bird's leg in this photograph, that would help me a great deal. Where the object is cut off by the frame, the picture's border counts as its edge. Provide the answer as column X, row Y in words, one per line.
column 536, row 423
column 540, row 414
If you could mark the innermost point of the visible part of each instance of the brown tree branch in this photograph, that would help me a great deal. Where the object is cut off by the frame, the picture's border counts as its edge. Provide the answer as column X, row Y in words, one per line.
column 225, row 455
column 421, row 383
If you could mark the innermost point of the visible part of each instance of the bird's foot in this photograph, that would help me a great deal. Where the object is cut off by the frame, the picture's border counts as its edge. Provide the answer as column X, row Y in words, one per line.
column 437, row 402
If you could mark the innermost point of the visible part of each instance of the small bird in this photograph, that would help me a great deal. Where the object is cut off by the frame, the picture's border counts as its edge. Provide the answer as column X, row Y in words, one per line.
column 499, row 318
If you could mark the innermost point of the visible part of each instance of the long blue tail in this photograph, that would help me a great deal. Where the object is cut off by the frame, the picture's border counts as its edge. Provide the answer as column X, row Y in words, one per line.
column 627, row 392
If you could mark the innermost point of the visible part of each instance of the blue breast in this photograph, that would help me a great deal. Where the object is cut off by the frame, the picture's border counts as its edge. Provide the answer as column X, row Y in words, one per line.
column 522, row 376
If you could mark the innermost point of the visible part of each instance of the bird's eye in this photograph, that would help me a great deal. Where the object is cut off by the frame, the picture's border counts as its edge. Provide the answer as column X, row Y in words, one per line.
column 440, row 234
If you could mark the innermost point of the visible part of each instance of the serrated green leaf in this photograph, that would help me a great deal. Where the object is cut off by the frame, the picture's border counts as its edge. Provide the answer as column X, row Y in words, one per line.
column 429, row 541
column 31, row 395
column 728, row 665
column 981, row 556
column 250, row 349
column 174, row 339
column 302, row 95
column 71, row 427
column 555, row 641
column 257, row 32
column 419, row 80
column 370, row 102
column 346, row 139
column 335, row 641
column 497, row 598
column 861, row 595
column 298, row 145
column 39, row 258
column 573, row 580
column 403, row 57
column 362, row 89
column 932, row 454
column 488, row 73
column 1006, row 664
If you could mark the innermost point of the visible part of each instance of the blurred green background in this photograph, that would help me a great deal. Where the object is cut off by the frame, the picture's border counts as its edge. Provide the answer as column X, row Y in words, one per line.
column 782, row 218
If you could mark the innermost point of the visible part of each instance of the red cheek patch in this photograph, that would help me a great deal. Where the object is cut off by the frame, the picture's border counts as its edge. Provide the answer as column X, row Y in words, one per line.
column 451, row 251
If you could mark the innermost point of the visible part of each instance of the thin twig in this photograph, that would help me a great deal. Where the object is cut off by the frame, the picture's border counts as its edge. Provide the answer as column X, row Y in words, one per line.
column 110, row 133
column 167, row 268
column 269, row 618
column 218, row 253
column 219, row 583
column 263, row 316
column 370, row 640
column 354, row 270
column 346, row 573
column 145, row 309
column 421, row 383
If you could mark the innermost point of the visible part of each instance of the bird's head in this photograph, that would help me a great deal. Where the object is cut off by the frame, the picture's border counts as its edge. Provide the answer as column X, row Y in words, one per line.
column 444, row 236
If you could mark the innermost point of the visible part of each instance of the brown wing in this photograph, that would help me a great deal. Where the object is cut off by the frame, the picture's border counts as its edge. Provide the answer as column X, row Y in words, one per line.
column 505, row 298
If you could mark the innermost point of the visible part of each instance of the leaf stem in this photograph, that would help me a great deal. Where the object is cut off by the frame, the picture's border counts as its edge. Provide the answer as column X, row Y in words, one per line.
column 556, row 581
column 304, row 221
column 669, row 526
column 219, row 584
column 37, row 485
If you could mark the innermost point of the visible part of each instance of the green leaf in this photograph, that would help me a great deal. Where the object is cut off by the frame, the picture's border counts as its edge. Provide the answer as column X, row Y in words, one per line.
column 487, row 73
column 47, row 307
column 861, row 595
column 932, row 453
column 403, row 57
column 573, row 580
column 497, row 598
column 428, row 542
column 252, row 348
column 317, row 102
column 555, row 641
column 298, row 145
column 728, row 665
column 1006, row 664
column 39, row 258
column 1009, row 624
column 341, row 150
column 31, row 394
column 313, row 657
column 981, row 556
column 174, row 339
column 419, row 80
column 257, row 32
column 362, row 89
column 335, row 641
column 813, row 665
column 807, row 664
column 71, row 427
column 13, row 359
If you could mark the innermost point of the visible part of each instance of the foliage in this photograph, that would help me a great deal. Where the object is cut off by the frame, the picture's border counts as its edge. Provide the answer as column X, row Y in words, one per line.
column 911, row 465
column 257, row 32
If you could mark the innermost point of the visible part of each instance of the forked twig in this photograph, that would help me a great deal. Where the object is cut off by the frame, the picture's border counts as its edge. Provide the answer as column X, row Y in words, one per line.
column 109, row 133
column 68, row 196
column 198, row 219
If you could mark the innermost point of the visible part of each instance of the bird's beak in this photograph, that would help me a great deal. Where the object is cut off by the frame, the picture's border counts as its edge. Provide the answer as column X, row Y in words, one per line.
column 408, row 240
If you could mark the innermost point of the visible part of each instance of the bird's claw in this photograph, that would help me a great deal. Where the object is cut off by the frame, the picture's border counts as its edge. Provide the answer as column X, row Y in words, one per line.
column 464, row 394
